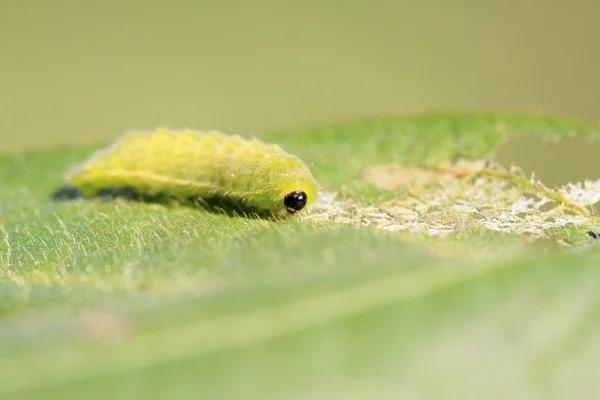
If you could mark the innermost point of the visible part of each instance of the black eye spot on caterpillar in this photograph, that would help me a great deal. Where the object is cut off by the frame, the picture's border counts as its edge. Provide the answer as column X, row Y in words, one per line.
column 295, row 201
column 593, row 234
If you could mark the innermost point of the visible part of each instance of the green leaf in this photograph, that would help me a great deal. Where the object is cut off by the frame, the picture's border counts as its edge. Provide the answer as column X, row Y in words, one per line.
column 429, row 268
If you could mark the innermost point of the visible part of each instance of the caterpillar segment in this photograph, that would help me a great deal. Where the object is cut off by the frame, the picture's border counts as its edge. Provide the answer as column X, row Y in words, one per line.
column 191, row 163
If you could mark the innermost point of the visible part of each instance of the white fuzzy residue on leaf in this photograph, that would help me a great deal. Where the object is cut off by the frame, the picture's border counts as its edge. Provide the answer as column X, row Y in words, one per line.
column 451, row 202
column 583, row 193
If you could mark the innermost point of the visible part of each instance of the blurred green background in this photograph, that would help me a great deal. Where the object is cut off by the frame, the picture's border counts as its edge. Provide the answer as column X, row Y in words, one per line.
column 83, row 72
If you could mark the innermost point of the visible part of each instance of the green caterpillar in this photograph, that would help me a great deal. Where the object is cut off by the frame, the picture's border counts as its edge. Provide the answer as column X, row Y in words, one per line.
column 200, row 164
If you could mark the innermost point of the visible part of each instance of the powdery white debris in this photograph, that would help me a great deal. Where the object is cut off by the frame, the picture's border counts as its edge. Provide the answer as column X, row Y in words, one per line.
column 583, row 193
column 462, row 206
column 525, row 204
column 452, row 203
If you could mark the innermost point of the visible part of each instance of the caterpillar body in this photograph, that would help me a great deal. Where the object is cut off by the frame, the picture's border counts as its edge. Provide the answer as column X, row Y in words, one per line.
column 199, row 164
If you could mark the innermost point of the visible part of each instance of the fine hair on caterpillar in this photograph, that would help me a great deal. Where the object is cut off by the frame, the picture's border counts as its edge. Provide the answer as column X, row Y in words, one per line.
column 206, row 166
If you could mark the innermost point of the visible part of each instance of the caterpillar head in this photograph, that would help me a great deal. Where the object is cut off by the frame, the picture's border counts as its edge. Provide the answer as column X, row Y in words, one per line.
column 291, row 186
column 295, row 201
